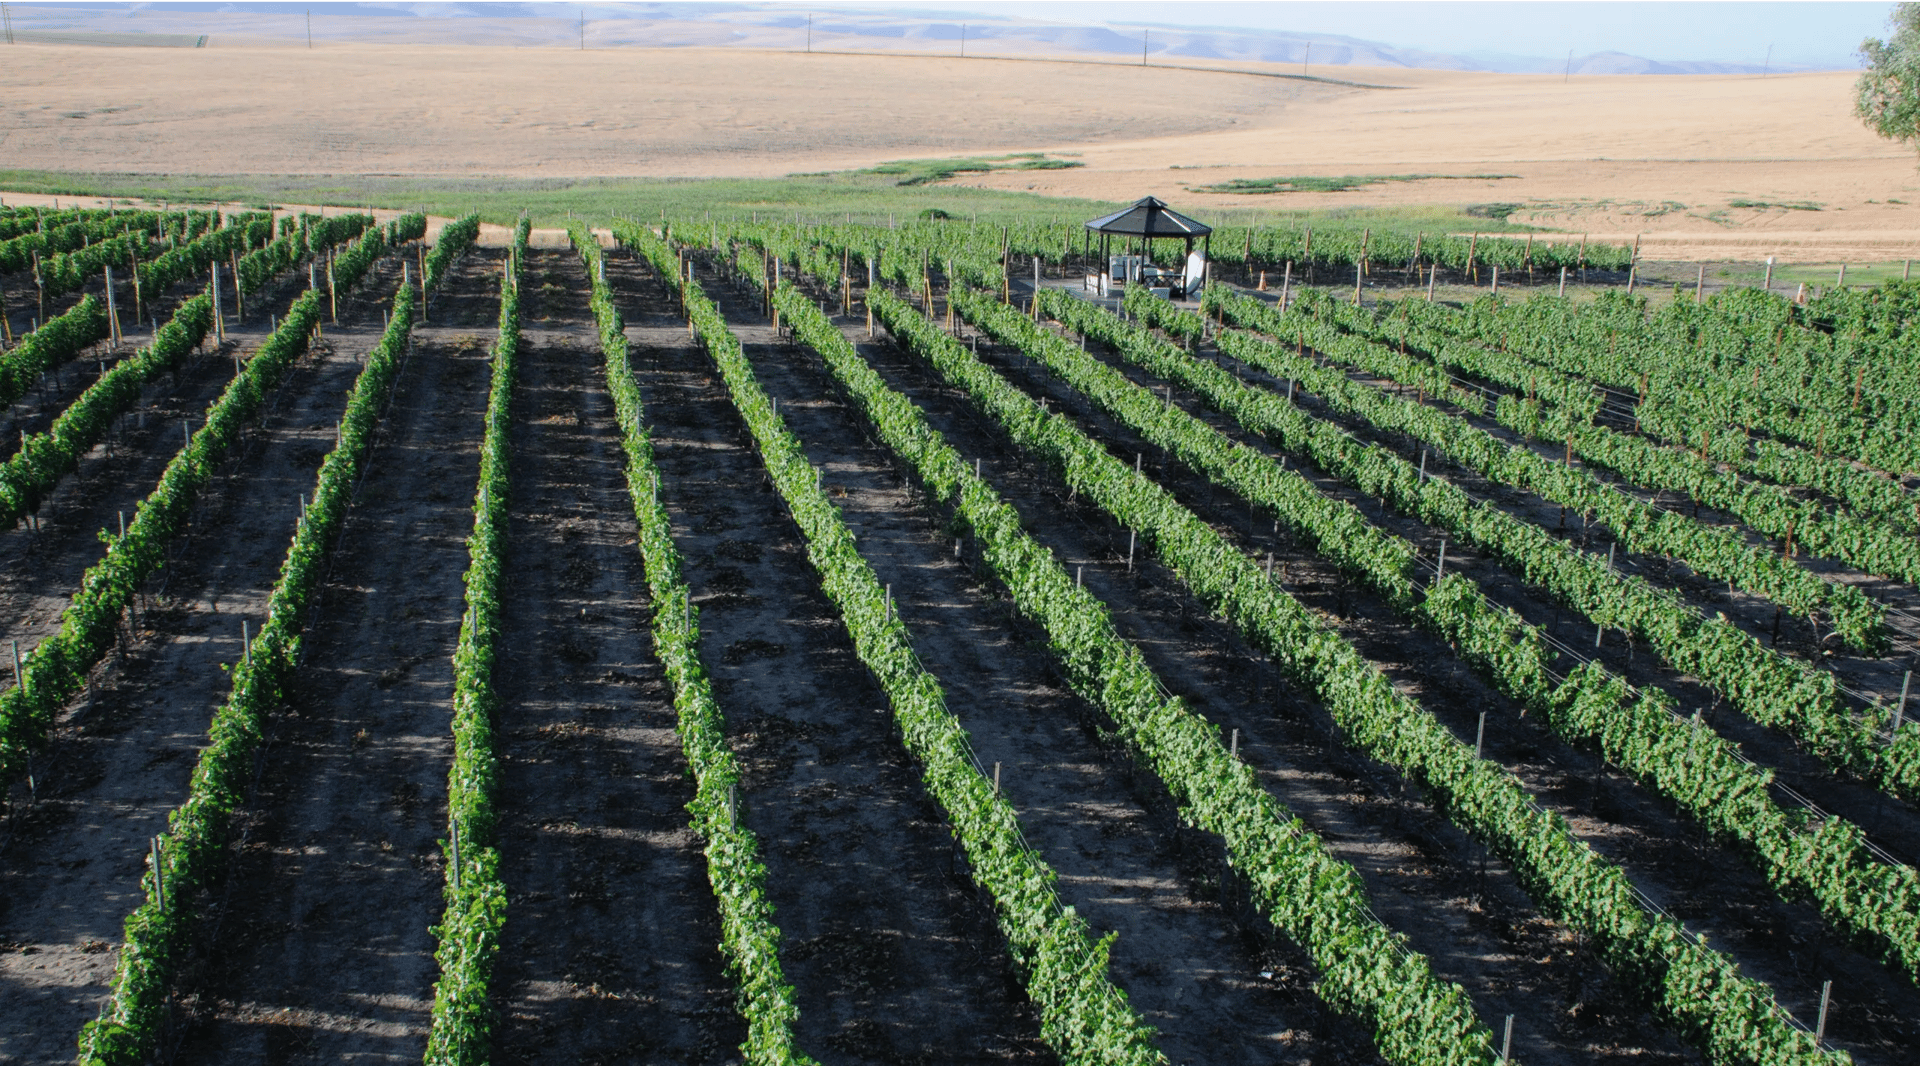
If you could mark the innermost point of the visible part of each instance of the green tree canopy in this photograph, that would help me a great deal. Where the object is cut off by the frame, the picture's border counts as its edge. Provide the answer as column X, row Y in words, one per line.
column 1887, row 96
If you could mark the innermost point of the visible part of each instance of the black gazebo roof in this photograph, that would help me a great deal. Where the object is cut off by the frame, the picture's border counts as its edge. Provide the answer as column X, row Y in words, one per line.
column 1149, row 217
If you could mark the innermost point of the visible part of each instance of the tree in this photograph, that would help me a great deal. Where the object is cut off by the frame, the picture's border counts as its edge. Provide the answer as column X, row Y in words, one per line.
column 1887, row 96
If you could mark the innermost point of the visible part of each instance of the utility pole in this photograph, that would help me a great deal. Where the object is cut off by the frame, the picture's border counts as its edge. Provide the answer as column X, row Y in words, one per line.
column 1305, row 58
column 809, row 34
column 1568, row 76
column 6, row 18
column 963, row 40
column 583, row 29
column 1145, row 36
column 309, row 29
column 1768, row 65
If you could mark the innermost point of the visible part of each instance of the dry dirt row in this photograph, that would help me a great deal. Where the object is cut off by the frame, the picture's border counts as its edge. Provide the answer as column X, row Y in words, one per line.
column 73, row 842
column 321, row 950
column 610, row 953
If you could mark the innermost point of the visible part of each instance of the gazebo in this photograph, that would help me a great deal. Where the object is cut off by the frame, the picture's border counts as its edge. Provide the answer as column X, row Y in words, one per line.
column 1148, row 220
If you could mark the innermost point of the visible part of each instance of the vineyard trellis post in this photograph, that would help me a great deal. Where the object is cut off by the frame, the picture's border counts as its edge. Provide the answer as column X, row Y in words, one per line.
column 113, row 313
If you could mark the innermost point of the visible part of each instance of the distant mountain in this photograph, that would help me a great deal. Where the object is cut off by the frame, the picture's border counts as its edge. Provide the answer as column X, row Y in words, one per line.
column 749, row 25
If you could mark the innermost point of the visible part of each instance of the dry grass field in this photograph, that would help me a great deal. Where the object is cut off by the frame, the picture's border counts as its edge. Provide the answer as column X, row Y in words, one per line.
column 1681, row 159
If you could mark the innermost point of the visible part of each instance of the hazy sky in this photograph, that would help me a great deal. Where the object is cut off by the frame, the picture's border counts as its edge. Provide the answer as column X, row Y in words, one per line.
column 1815, row 33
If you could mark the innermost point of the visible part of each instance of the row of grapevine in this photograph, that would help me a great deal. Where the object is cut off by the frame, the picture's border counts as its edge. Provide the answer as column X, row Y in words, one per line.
column 468, row 936
column 56, row 341
column 67, row 271
column 1563, row 414
column 19, row 252
column 1083, row 1016
column 1310, row 897
column 1269, row 248
column 1699, row 990
column 749, row 937
column 964, row 252
column 1708, row 370
column 44, row 458
column 314, row 236
column 455, row 237
column 16, row 221
column 160, row 931
column 1640, row 733
column 1638, row 526
column 1815, row 526
column 1441, row 333
column 1768, row 687
column 61, row 338
column 243, row 233
column 56, row 669
column 1404, row 326
column 1682, row 413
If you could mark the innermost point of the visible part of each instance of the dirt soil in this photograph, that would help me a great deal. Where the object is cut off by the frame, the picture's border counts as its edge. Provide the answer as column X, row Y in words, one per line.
column 74, row 838
column 893, row 956
column 610, row 954
column 323, row 950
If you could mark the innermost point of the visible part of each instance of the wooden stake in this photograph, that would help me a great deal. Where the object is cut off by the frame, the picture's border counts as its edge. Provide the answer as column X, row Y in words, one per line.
column 1826, row 996
column 113, row 313
column 159, row 877
column 1480, row 737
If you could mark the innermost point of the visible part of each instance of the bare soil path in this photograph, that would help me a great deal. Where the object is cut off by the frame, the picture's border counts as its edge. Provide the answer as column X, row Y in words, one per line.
column 72, row 847
column 892, row 955
column 610, row 952
column 323, row 953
